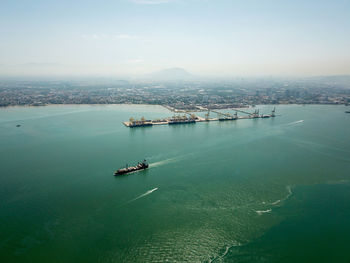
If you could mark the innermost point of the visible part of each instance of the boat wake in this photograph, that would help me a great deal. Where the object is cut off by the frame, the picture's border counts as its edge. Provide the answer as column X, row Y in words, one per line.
column 294, row 122
column 289, row 190
column 276, row 202
column 227, row 249
column 260, row 212
column 143, row 195
column 160, row 163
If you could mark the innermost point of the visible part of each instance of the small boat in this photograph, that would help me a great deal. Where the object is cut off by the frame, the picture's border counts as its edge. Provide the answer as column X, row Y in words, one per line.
column 348, row 111
column 140, row 166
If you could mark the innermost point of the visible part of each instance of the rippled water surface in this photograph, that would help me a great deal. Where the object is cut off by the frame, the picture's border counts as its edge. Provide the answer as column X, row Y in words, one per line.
column 214, row 192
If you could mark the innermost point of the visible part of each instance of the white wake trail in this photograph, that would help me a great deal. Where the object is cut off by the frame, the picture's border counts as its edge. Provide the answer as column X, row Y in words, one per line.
column 156, row 164
column 260, row 212
column 289, row 193
column 143, row 195
column 289, row 190
column 295, row 122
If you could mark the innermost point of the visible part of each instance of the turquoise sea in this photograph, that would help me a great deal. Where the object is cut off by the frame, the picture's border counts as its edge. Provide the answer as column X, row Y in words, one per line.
column 263, row 190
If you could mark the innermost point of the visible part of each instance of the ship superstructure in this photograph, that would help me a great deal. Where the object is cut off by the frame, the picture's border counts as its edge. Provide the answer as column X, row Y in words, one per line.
column 140, row 166
column 182, row 119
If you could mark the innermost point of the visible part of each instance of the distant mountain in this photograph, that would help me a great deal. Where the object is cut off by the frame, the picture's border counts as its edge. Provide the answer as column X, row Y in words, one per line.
column 171, row 74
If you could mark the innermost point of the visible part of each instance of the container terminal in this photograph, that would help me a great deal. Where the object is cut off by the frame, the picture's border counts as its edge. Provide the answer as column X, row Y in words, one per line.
column 190, row 118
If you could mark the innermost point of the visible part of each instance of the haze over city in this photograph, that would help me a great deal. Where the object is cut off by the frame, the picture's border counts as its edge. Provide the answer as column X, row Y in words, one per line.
column 205, row 37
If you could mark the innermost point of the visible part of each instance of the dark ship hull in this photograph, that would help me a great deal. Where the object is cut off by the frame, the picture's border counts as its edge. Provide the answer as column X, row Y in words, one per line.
column 227, row 119
column 181, row 122
column 140, row 125
column 138, row 167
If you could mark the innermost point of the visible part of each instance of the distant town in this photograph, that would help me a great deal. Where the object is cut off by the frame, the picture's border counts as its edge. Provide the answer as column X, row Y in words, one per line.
column 182, row 95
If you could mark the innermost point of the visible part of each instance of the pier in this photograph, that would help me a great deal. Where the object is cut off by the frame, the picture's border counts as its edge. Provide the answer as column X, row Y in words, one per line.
column 192, row 118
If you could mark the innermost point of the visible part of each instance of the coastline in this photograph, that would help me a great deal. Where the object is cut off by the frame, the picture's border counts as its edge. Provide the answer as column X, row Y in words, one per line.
column 165, row 106
column 63, row 105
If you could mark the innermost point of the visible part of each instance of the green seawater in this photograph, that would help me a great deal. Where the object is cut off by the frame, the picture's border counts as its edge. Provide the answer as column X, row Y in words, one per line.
column 263, row 190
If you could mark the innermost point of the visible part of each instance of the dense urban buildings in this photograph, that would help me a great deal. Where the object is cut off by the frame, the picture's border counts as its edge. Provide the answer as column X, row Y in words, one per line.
column 177, row 94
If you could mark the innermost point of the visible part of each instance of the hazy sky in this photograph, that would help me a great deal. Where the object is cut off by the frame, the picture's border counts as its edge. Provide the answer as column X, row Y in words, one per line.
column 222, row 37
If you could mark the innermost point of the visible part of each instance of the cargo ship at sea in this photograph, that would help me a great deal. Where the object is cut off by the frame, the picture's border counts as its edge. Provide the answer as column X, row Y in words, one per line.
column 140, row 166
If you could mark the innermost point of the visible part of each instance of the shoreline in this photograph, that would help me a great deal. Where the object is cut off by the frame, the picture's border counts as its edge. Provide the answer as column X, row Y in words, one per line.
column 63, row 105
column 164, row 106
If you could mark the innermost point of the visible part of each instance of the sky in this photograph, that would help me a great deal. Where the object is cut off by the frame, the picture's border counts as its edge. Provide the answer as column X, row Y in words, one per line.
column 205, row 37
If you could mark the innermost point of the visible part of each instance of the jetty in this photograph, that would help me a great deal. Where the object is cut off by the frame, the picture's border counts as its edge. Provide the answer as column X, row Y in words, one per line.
column 190, row 118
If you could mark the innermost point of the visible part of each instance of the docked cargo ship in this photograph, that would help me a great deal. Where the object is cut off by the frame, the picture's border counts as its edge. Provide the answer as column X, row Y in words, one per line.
column 138, row 123
column 140, row 166
column 181, row 120
column 143, row 124
column 227, row 119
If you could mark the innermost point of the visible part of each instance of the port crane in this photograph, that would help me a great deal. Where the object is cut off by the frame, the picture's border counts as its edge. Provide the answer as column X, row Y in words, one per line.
column 228, row 114
column 207, row 115
column 178, row 119
column 251, row 115
column 255, row 114
column 242, row 111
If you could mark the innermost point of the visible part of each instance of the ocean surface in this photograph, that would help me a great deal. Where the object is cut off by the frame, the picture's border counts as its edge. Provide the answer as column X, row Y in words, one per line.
column 263, row 190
